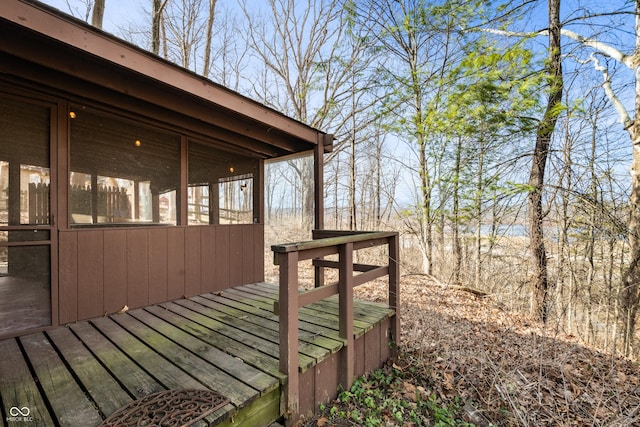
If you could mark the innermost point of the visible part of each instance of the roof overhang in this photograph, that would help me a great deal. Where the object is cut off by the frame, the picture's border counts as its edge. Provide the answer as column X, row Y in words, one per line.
column 44, row 45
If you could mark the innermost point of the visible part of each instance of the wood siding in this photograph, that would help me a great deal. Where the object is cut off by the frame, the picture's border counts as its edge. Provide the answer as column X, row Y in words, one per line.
column 102, row 270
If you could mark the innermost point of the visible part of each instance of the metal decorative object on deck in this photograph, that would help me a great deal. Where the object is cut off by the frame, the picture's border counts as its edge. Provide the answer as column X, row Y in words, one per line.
column 168, row 408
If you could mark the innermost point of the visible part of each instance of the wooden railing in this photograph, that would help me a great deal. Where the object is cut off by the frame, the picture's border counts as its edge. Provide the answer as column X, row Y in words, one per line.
column 326, row 243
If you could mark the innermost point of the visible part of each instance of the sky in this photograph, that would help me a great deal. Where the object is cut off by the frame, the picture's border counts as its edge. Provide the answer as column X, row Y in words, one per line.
column 117, row 12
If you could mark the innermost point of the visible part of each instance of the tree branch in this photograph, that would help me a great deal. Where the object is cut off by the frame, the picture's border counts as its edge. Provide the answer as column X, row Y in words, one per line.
column 605, row 49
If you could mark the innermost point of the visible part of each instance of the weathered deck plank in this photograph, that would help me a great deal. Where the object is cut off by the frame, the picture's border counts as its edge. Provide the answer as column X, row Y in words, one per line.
column 228, row 342
column 266, row 341
column 313, row 318
column 366, row 313
column 317, row 335
column 166, row 373
column 18, row 389
column 249, row 375
column 209, row 331
column 211, row 376
column 135, row 379
column 255, row 324
column 101, row 386
column 68, row 401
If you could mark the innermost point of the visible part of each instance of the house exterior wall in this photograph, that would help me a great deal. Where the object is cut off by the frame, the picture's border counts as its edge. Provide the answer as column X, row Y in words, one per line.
column 103, row 270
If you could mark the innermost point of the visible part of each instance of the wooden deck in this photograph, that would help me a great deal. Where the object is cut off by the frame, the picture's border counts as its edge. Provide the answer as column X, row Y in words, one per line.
column 226, row 341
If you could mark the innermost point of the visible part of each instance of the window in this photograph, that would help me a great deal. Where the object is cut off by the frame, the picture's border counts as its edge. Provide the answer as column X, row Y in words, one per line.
column 122, row 173
column 220, row 186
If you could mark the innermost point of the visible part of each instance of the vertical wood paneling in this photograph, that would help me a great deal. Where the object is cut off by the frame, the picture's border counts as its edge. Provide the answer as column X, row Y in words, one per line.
column 359, row 367
column 207, row 259
column 258, row 251
column 158, row 266
column 385, row 339
column 90, row 274
column 68, row 287
column 137, row 268
column 237, row 262
column 307, row 391
column 115, row 270
column 192, row 260
column 175, row 258
column 222, row 257
column 248, row 267
column 102, row 270
column 326, row 379
column 372, row 349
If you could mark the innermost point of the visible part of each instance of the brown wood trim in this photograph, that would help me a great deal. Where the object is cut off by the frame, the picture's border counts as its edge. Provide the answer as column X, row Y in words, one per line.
column 182, row 193
column 317, row 294
column 335, row 264
column 345, row 298
column 365, row 238
column 394, row 290
column 288, row 297
column 370, row 275
column 27, row 243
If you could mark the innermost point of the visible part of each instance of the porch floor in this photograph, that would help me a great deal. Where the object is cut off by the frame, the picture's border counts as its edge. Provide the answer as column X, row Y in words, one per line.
column 225, row 341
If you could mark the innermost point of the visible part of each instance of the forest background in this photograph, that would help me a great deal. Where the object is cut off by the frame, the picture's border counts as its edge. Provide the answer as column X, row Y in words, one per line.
column 496, row 136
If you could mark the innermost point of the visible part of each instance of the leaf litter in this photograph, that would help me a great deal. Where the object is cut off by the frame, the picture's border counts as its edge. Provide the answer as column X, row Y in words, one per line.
column 499, row 367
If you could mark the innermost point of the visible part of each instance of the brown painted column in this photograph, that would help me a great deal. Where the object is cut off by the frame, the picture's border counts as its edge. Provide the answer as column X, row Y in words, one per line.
column 288, row 305
column 345, row 284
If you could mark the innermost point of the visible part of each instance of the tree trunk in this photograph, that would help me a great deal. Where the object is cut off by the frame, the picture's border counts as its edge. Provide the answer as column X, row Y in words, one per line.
column 208, row 38
column 478, row 202
column 630, row 293
column 98, row 13
column 457, row 250
column 540, row 280
column 156, row 17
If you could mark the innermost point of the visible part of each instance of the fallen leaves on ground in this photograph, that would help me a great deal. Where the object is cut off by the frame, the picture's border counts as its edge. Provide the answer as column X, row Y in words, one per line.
column 502, row 367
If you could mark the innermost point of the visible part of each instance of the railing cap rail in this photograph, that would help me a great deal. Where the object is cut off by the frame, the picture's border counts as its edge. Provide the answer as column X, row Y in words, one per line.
column 332, row 241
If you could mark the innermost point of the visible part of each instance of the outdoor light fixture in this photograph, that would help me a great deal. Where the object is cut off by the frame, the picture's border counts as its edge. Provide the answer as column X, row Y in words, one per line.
column 138, row 143
column 72, row 114
column 231, row 169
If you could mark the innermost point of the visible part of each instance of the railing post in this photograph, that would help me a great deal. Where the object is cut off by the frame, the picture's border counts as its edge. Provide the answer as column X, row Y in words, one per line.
column 345, row 286
column 394, row 290
column 288, row 301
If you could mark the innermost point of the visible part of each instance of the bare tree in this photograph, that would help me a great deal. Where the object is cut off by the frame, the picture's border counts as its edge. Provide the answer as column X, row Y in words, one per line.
column 540, row 279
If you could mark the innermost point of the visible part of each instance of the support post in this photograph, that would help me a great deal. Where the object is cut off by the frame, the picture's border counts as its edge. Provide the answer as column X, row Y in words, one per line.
column 394, row 290
column 288, row 304
column 347, row 353
column 318, row 182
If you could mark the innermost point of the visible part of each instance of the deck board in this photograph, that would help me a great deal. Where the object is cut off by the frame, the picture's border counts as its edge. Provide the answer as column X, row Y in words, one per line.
column 248, row 375
column 135, row 380
column 68, row 401
column 18, row 388
column 209, row 375
column 209, row 331
column 315, row 339
column 102, row 387
column 225, row 341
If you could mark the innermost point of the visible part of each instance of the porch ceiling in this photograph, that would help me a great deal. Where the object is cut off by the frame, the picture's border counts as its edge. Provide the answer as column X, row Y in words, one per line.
column 41, row 44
